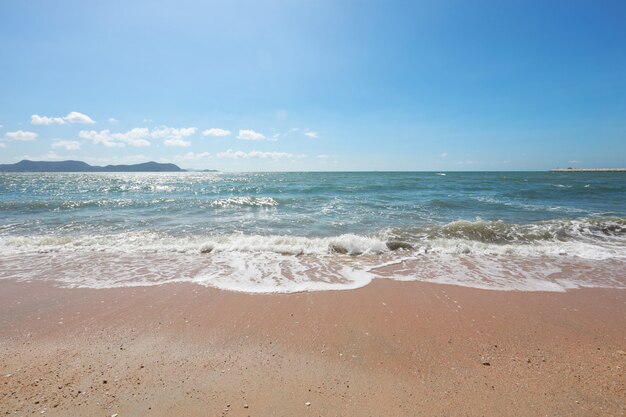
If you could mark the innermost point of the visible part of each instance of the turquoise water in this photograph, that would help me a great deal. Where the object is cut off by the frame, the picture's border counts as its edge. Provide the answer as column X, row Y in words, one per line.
column 245, row 223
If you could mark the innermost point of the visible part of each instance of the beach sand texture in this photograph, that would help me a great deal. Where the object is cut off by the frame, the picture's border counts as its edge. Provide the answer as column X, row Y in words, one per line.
column 388, row 349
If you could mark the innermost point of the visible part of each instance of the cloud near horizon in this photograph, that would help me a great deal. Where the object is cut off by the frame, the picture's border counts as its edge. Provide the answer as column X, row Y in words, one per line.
column 70, row 145
column 248, row 134
column 72, row 117
column 135, row 137
column 173, row 136
column 177, row 142
column 193, row 156
column 230, row 154
column 164, row 132
column 22, row 135
column 140, row 136
column 216, row 132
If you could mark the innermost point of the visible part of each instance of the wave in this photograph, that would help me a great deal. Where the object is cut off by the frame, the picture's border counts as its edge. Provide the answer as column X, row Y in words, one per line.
column 545, row 256
column 448, row 204
column 517, row 204
column 587, row 238
column 274, row 272
column 499, row 232
column 244, row 201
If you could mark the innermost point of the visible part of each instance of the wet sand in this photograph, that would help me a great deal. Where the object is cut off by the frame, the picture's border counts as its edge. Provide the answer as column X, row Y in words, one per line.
column 389, row 349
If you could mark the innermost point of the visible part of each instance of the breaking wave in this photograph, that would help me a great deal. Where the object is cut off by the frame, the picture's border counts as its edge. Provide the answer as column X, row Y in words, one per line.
column 589, row 239
column 244, row 201
column 544, row 256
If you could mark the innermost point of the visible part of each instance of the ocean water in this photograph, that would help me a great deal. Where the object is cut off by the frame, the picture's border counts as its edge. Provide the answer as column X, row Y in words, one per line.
column 288, row 232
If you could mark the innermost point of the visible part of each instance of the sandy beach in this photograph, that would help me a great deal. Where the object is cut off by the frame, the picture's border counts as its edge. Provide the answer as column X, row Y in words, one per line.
column 313, row 208
column 389, row 349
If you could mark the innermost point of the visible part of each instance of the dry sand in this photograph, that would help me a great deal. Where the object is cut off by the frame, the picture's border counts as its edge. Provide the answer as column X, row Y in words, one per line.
column 389, row 349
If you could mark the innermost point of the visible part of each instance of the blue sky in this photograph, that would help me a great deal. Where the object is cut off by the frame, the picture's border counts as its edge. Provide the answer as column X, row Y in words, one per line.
column 316, row 85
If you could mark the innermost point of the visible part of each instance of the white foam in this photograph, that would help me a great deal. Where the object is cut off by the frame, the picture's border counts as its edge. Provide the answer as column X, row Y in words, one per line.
column 244, row 201
column 138, row 242
column 263, row 264
column 272, row 272
column 491, row 273
column 582, row 243
column 282, row 274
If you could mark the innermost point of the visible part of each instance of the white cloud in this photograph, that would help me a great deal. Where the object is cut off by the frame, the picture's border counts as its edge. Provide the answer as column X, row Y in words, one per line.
column 113, row 120
column 444, row 154
column 247, row 134
column 216, row 132
column 230, row 154
column 173, row 136
column 45, row 120
column 177, row 142
column 72, row 117
column 22, row 135
column 164, row 132
column 70, row 145
column 312, row 135
column 135, row 133
column 138, row 143
column 3, row 145
column 101, row 138
column 135, row 137
column 76, row 117
column 139, row 136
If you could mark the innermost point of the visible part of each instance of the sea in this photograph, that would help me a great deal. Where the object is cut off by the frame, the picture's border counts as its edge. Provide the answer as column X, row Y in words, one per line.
column 265, row 232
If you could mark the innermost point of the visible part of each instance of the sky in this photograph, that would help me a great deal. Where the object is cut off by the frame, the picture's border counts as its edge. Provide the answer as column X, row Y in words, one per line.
column 315, row 85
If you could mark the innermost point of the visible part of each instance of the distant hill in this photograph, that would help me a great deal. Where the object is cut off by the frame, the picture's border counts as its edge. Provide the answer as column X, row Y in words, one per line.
column 79, row 166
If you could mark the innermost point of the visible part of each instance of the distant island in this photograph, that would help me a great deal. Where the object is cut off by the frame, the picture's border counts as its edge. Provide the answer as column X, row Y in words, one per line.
column 79, row 166
column 201, row 170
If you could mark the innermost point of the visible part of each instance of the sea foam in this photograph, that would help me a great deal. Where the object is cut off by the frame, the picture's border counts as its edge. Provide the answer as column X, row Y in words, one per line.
column 265, row 264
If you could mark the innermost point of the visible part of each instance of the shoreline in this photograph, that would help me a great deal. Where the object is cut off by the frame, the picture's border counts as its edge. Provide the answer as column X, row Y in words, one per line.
column 390, row 348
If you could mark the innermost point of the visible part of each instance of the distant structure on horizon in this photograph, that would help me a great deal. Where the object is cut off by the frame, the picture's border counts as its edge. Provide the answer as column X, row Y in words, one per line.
column 588, row 170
